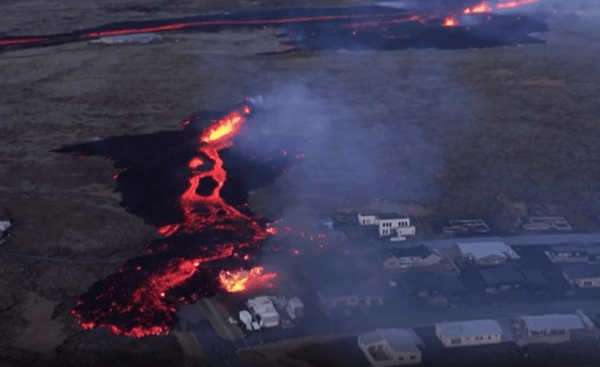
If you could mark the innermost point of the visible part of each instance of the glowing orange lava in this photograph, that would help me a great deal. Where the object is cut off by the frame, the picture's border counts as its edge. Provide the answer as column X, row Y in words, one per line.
column 226, row 127
column 449, row 22
column 146, row 304
column 244, row 280
column 514, row 4
column 479, row 8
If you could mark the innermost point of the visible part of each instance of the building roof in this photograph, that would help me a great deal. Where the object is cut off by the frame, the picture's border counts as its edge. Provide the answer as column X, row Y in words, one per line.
column 385, row 215
column 534, row 277
column 413, row 283
column 579, row 271
column 499, row 275
column 351, row 288
column 468, row 328
column 399, row 340
column 480, row 250
column 553, row 322
column 417, row 251
column 577, row 247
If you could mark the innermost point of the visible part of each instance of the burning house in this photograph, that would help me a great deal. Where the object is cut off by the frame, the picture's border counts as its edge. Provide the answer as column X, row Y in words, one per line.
column 392, row 225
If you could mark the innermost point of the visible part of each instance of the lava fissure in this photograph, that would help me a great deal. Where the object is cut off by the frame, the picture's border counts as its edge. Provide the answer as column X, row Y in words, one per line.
column 213, row 246
column 326, row 24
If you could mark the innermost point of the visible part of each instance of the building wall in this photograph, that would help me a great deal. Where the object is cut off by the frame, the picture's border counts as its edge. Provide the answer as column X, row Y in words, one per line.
column 406, row 231
column 585, row 282
column 346, row 304
column 395, row 263
column 545, row 336
column 450, row 341
column 568, row 257
column 366, row 220
column 492, row 260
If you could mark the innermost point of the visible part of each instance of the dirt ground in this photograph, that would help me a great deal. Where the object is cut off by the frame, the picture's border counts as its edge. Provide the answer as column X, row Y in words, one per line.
column 455, row 131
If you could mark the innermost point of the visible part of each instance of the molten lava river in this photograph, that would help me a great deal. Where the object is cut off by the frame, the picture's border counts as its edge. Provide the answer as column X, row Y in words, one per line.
column 208, row 245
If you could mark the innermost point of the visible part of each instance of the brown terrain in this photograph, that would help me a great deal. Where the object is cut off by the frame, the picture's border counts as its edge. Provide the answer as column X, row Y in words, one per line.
column 486, row 131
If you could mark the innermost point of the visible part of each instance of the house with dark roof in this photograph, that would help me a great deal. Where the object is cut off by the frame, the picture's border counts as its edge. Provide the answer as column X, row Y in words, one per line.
column 437, row 289
column 399, row 258
column 343, row 297
column 502, row 278
column 582, row 275
column 486, row 253
column 507, row 277
column 391, row 347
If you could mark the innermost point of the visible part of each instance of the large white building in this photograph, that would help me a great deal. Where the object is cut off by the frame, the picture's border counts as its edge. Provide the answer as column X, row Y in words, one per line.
column 390, row 224
column 391, row 347
column 486, row 253
column 475, row 332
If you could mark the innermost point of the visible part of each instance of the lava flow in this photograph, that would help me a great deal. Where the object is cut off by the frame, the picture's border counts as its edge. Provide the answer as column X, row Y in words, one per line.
column 243, row 280
column 203, row 253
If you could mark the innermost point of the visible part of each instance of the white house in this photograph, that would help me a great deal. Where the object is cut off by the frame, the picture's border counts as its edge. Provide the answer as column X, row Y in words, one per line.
column 486, row 253
column 389, row 223
column 391, row 347
column 475, row 332
column 263, row 310
column 548, row 328
column 574, row 253
column 582, row 275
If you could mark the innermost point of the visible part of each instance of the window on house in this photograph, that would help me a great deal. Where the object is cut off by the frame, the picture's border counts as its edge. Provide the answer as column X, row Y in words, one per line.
column 413, row 357
column 455, row 341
